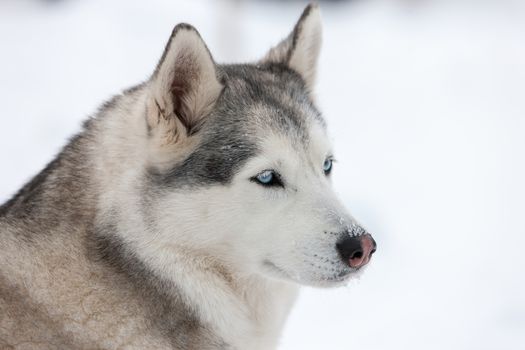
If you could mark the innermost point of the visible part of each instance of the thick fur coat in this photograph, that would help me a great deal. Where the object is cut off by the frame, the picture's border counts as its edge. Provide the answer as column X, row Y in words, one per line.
column 185, row 214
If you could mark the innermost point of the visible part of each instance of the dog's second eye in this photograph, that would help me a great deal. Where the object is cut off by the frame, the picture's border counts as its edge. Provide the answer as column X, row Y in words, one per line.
column 327, row 166
column 268, row 178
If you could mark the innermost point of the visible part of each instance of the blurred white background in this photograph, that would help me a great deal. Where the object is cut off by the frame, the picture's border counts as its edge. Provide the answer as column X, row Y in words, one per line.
column 425, row 101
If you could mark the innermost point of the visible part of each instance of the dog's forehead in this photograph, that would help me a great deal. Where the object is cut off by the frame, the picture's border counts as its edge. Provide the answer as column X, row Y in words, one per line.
column 269, row 97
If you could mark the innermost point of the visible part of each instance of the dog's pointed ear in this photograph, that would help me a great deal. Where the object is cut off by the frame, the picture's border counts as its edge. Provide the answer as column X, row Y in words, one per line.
column 300, row 50
column 184, row 86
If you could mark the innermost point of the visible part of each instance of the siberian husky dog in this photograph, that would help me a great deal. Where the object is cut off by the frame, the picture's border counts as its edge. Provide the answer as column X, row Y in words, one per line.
column 185, row 214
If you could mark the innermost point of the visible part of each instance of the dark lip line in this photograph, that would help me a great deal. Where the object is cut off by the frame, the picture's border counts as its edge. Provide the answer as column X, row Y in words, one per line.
column 340, row 278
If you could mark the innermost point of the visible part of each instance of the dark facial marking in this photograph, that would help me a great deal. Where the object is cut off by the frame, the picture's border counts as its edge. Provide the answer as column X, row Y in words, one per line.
column 231, row 135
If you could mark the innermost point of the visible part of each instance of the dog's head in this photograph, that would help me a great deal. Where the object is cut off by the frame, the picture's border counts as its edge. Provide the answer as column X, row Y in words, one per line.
column 240, row 163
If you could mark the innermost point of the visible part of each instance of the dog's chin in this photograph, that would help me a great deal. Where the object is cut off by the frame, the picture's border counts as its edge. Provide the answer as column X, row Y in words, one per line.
column 337, row 279
column 332, row 282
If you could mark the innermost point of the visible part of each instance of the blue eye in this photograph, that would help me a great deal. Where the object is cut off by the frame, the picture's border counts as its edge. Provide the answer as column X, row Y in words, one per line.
column 265, row 177
column 268, row 178
column 327, row 166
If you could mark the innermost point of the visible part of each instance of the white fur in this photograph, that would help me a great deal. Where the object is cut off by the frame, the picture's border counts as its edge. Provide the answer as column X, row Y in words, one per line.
column 306, row 54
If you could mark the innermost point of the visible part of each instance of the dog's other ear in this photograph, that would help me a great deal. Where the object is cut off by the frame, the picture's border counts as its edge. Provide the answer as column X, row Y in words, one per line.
column 184, row 86
column 300, row 50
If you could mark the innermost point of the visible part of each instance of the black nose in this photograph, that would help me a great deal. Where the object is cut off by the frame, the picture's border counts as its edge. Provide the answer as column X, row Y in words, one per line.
column 356, row 250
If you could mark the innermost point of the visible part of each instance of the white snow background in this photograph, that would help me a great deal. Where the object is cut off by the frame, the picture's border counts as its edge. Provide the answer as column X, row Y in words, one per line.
column 425, row 101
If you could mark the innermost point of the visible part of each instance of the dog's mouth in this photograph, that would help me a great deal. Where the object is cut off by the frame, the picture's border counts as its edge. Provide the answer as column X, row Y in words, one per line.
column 334, row 278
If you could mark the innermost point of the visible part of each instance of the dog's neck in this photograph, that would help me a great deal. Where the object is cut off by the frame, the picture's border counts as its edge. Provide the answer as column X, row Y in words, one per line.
column 242, row 311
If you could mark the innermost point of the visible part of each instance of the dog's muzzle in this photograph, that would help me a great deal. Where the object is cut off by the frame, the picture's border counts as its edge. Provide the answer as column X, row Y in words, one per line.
column 356, row 251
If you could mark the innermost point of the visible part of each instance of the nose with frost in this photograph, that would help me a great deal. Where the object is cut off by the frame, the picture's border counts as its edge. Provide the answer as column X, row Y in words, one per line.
column 356, row 251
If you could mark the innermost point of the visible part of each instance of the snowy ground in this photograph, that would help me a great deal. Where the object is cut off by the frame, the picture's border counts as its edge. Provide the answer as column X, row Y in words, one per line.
column 426, row 104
